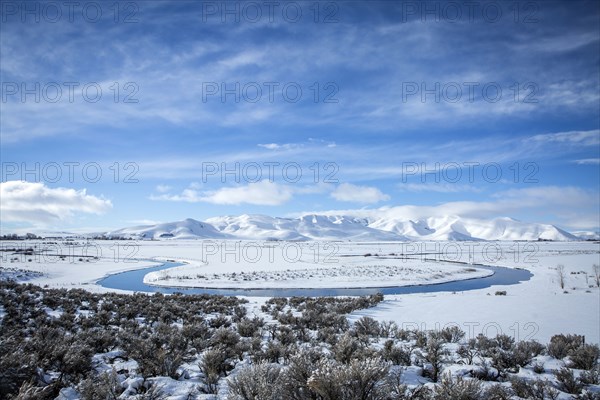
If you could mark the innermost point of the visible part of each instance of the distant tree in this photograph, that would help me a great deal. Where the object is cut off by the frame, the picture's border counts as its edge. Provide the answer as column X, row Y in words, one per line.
column 560, row 271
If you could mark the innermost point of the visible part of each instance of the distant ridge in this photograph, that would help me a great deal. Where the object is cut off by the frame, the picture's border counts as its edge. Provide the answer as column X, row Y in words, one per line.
column 346, row 228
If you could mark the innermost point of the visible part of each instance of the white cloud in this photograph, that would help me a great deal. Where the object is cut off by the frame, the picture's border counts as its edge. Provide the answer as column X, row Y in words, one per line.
column 588, row 161
column 358, row 194
column 36, row 203
column 439, row 187
column 260, row 193
column 282, row 146
column 584, row 138
column 270, row 146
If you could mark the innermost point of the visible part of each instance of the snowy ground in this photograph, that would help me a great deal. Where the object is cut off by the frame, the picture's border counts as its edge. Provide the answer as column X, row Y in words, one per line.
column 352, row 272
column 535, row 309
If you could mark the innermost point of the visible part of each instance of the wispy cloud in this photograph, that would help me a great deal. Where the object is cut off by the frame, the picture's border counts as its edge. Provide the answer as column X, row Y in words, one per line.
column 358, row 194
column 588, row 161
column 260, row 193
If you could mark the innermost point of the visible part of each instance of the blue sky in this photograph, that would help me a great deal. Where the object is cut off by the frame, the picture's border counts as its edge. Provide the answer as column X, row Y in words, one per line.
column 484, row 110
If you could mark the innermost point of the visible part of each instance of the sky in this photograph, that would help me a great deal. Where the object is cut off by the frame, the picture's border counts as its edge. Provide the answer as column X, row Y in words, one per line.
column 136, row 112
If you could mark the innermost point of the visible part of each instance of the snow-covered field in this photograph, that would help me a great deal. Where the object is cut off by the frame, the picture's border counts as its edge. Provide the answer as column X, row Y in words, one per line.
column 535, row 309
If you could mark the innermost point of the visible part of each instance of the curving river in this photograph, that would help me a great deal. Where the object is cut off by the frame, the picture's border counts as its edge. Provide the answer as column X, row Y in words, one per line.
column 134, row 281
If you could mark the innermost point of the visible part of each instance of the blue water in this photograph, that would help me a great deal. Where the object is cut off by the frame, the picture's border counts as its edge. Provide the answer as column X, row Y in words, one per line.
column 134, row 281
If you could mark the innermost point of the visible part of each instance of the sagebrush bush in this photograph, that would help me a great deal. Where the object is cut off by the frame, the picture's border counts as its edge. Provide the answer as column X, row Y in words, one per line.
column 452, row 334
column 435, row 356
column 567, row 381
column 360, row 380
column 105, row 386
column 458, row 389
column 213, row 366
column 536, row 390
column 584, row 357
column 561, row 345
column 367, row 326
column 397, row 355
column 257, row 382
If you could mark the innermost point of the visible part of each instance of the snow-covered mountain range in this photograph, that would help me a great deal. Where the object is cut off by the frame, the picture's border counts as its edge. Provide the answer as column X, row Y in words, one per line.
column 345, row 228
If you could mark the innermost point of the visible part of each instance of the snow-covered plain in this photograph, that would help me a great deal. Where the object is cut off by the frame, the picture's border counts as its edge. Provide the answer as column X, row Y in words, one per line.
column 535, row 309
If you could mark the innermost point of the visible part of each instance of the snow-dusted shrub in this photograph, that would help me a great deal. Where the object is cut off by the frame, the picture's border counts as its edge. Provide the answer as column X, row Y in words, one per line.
column 360, row 380
column 518, row 355
column 219, row 321
column 248, row 327
column 239, row 312
column 586, row 395
column 285, row 335
column 213, row 366
column 435, row 356
column 400, row 391
column 567, row 381
column 538, row 368
column 535, row 390
column 327, row 335
column 294, row 380
column 420, row 338
column 467, row 352
column 150, row 391
column 29, row 391
column 452, row 334
column 160, row 353
column 105, row 386
column 388, row 329
column 497, row 392
column 197, row 334
column 257, row 382
column 485, row 346
column 561, row 345
column 367, row 326
column 584, row 357
column 100, row 340
column 591, row 377
column 273, row 352
column 458, row 389
column 224, row 338
column 397, row 355
column 347, row 348
column 504, row 342
column 403, row 334
column 485, row 372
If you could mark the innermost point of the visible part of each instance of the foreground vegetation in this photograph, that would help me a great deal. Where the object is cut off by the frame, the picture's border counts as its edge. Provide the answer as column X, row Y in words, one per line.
column 76, row 344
